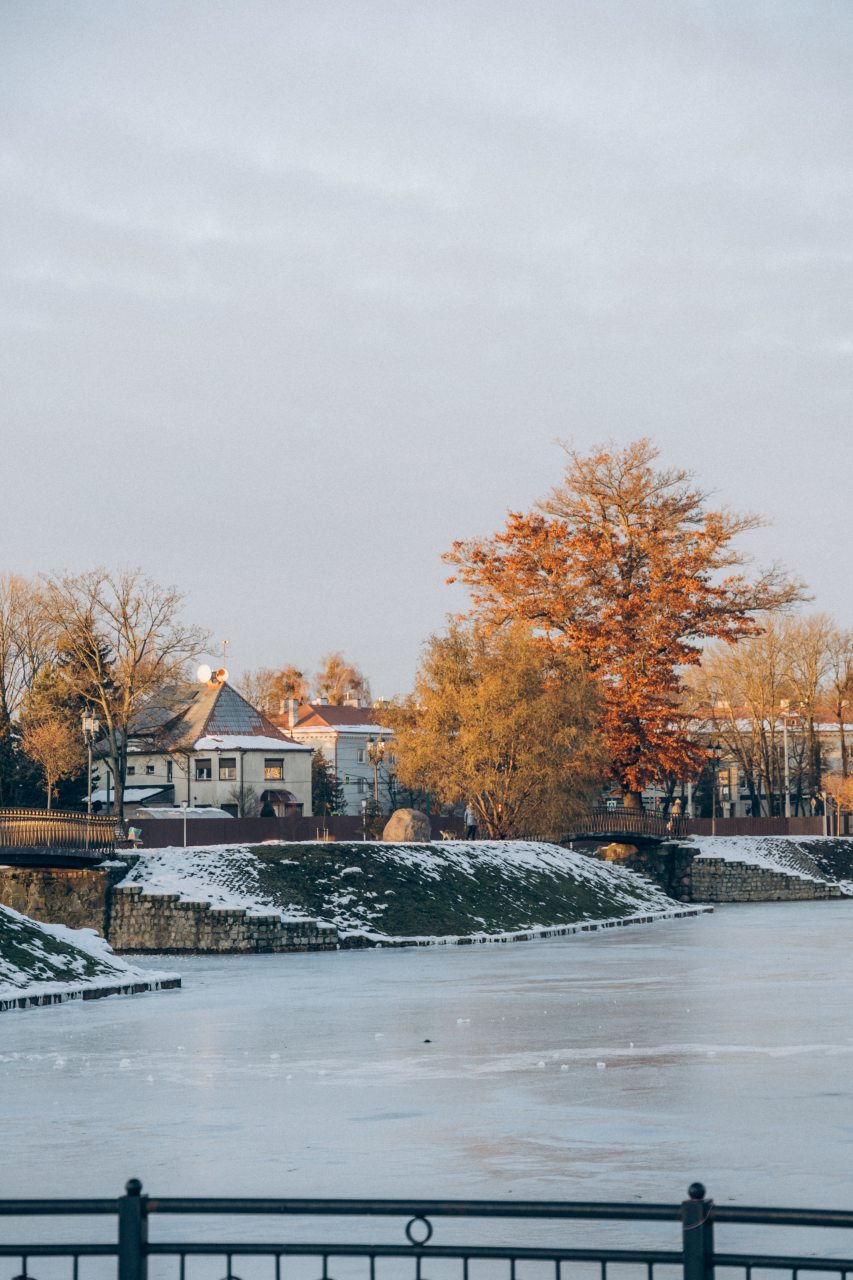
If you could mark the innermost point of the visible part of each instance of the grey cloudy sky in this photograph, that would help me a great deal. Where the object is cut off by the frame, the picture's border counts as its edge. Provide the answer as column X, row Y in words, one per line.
column 294, row 293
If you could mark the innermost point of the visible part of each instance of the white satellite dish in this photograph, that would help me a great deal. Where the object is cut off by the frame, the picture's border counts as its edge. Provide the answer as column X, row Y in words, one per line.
column 221, row 675
column 204, row 673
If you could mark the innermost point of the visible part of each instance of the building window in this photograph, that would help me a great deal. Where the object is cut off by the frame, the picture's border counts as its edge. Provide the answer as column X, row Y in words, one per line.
column 131, row 770
column 203, row 771
column 359, row 755
column 362, row 785
column 273, row 770
column 149, row 768
column 227, row 768
column 168, row 771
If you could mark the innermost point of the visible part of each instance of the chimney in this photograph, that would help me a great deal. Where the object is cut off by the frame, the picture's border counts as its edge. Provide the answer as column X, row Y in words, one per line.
column 292, row 712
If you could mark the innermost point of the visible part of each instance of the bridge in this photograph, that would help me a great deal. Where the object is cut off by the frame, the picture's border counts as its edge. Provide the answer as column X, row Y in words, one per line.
column 39, row 838
column 620, row 825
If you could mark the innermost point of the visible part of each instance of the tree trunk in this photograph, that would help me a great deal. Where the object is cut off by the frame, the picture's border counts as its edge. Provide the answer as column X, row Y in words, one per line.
column 633, row 800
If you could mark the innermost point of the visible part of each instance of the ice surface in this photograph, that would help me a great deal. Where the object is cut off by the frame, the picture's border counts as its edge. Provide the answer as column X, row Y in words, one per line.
column 726, row 1039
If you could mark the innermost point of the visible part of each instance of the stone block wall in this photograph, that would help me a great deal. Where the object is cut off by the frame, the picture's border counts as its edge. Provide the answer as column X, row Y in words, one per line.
column 162, row 922
column 718, row 880
column 77, row 897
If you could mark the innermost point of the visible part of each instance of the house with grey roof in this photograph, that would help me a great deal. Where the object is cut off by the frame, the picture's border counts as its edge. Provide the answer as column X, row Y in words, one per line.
column 203, row 745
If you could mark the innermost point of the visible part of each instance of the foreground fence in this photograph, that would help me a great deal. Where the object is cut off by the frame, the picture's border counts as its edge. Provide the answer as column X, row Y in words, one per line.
column 541, row 1248
column 57, row 830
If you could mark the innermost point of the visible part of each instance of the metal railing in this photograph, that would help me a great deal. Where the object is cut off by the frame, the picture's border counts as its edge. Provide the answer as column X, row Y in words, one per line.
column 622, row 821
column 57, row 830
column 695, row 1257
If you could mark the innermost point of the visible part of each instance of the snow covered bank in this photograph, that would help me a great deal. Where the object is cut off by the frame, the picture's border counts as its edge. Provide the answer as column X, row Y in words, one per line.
column 49, row 964
column 825, row 859
column 410, row 894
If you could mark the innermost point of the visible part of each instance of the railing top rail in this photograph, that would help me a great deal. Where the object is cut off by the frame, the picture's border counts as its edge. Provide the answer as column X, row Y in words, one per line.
column 56, row 815
column 56, row 1208
column 316, row 1207
column 428, row 1208
column 351, row 1208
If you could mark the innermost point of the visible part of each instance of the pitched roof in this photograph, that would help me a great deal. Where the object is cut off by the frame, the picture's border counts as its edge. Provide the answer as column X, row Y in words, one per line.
column 321, row 716
column 194, row 711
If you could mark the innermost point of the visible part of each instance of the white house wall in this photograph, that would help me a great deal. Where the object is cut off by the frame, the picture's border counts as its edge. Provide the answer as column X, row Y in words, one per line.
column 151, row 770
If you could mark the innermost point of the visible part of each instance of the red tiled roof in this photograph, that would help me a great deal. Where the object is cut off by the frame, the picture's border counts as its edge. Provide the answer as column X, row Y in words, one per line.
column 317, row 715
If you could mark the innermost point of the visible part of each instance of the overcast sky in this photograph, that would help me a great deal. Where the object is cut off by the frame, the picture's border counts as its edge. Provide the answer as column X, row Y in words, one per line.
column 293, row 294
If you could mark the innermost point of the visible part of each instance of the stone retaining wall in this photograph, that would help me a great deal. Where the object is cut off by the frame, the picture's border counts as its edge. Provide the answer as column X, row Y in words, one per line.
column 163, row 923
column 77, row 897
column 718, row 880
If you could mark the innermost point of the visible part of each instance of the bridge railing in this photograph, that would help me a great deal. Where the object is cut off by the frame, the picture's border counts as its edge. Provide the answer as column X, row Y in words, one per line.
column 620, row 820
column 40, row 829
column 541, row 1235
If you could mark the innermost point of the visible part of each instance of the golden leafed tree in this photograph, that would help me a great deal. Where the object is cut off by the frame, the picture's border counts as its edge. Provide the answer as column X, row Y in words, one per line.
column 57, row 750
column 499, row 721
column 339, row 679
column 625, row 566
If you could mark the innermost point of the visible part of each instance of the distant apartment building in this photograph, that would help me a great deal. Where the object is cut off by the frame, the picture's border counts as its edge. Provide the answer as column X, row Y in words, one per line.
column 347, row 736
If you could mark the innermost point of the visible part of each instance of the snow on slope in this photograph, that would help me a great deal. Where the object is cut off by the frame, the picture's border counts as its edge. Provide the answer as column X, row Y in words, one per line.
column 396, row 891
column 49, row 959
column 806, row 857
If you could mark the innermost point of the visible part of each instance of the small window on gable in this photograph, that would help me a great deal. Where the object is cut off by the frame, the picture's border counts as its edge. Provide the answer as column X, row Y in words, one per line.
column 359, row 755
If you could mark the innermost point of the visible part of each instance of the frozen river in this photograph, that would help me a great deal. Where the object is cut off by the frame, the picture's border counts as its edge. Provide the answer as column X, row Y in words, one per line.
column 615, row 1065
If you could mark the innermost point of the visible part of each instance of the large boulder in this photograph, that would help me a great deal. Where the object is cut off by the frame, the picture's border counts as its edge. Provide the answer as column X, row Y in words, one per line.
column 407, row 824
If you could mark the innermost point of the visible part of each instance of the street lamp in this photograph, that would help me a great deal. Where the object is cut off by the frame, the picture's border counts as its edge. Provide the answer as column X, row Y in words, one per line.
column 716, row 753
column 376, row 754
column 91, row 726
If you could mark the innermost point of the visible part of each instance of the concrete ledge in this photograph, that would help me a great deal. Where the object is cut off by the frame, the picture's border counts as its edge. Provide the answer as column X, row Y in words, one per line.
column 132, row 987
column 351, row 941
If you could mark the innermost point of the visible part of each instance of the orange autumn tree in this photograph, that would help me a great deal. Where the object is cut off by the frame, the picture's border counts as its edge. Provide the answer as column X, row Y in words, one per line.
column 624, row 565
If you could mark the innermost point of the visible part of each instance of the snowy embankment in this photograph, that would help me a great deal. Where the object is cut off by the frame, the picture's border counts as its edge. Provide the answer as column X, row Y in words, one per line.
column 411, row 894
column 827, row 859
column 49, row 964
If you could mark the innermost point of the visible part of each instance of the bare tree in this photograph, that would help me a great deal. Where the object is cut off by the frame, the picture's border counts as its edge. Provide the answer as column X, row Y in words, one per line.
column 806, row 643
column 268, row 688
column 124, row 643
column 740, row 689
column 26, row 644
column 339, row 679
column 25, row 641
column 840, row 685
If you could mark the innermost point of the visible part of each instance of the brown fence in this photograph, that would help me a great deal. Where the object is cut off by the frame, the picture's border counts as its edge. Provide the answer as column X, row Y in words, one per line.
column 160, row 833
column 761, row 826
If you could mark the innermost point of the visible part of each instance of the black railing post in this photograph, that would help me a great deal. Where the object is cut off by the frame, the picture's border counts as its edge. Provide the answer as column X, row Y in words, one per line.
column 133, row 1233
column 697, row 1233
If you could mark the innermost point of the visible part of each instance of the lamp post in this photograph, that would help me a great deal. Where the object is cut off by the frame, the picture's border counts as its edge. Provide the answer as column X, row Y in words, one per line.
column 376, row 754
column 783, row 706
column 716, row 755
column 91, row 725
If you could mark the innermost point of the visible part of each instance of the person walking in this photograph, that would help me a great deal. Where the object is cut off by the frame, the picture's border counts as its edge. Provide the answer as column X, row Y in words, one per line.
column 470, row 822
